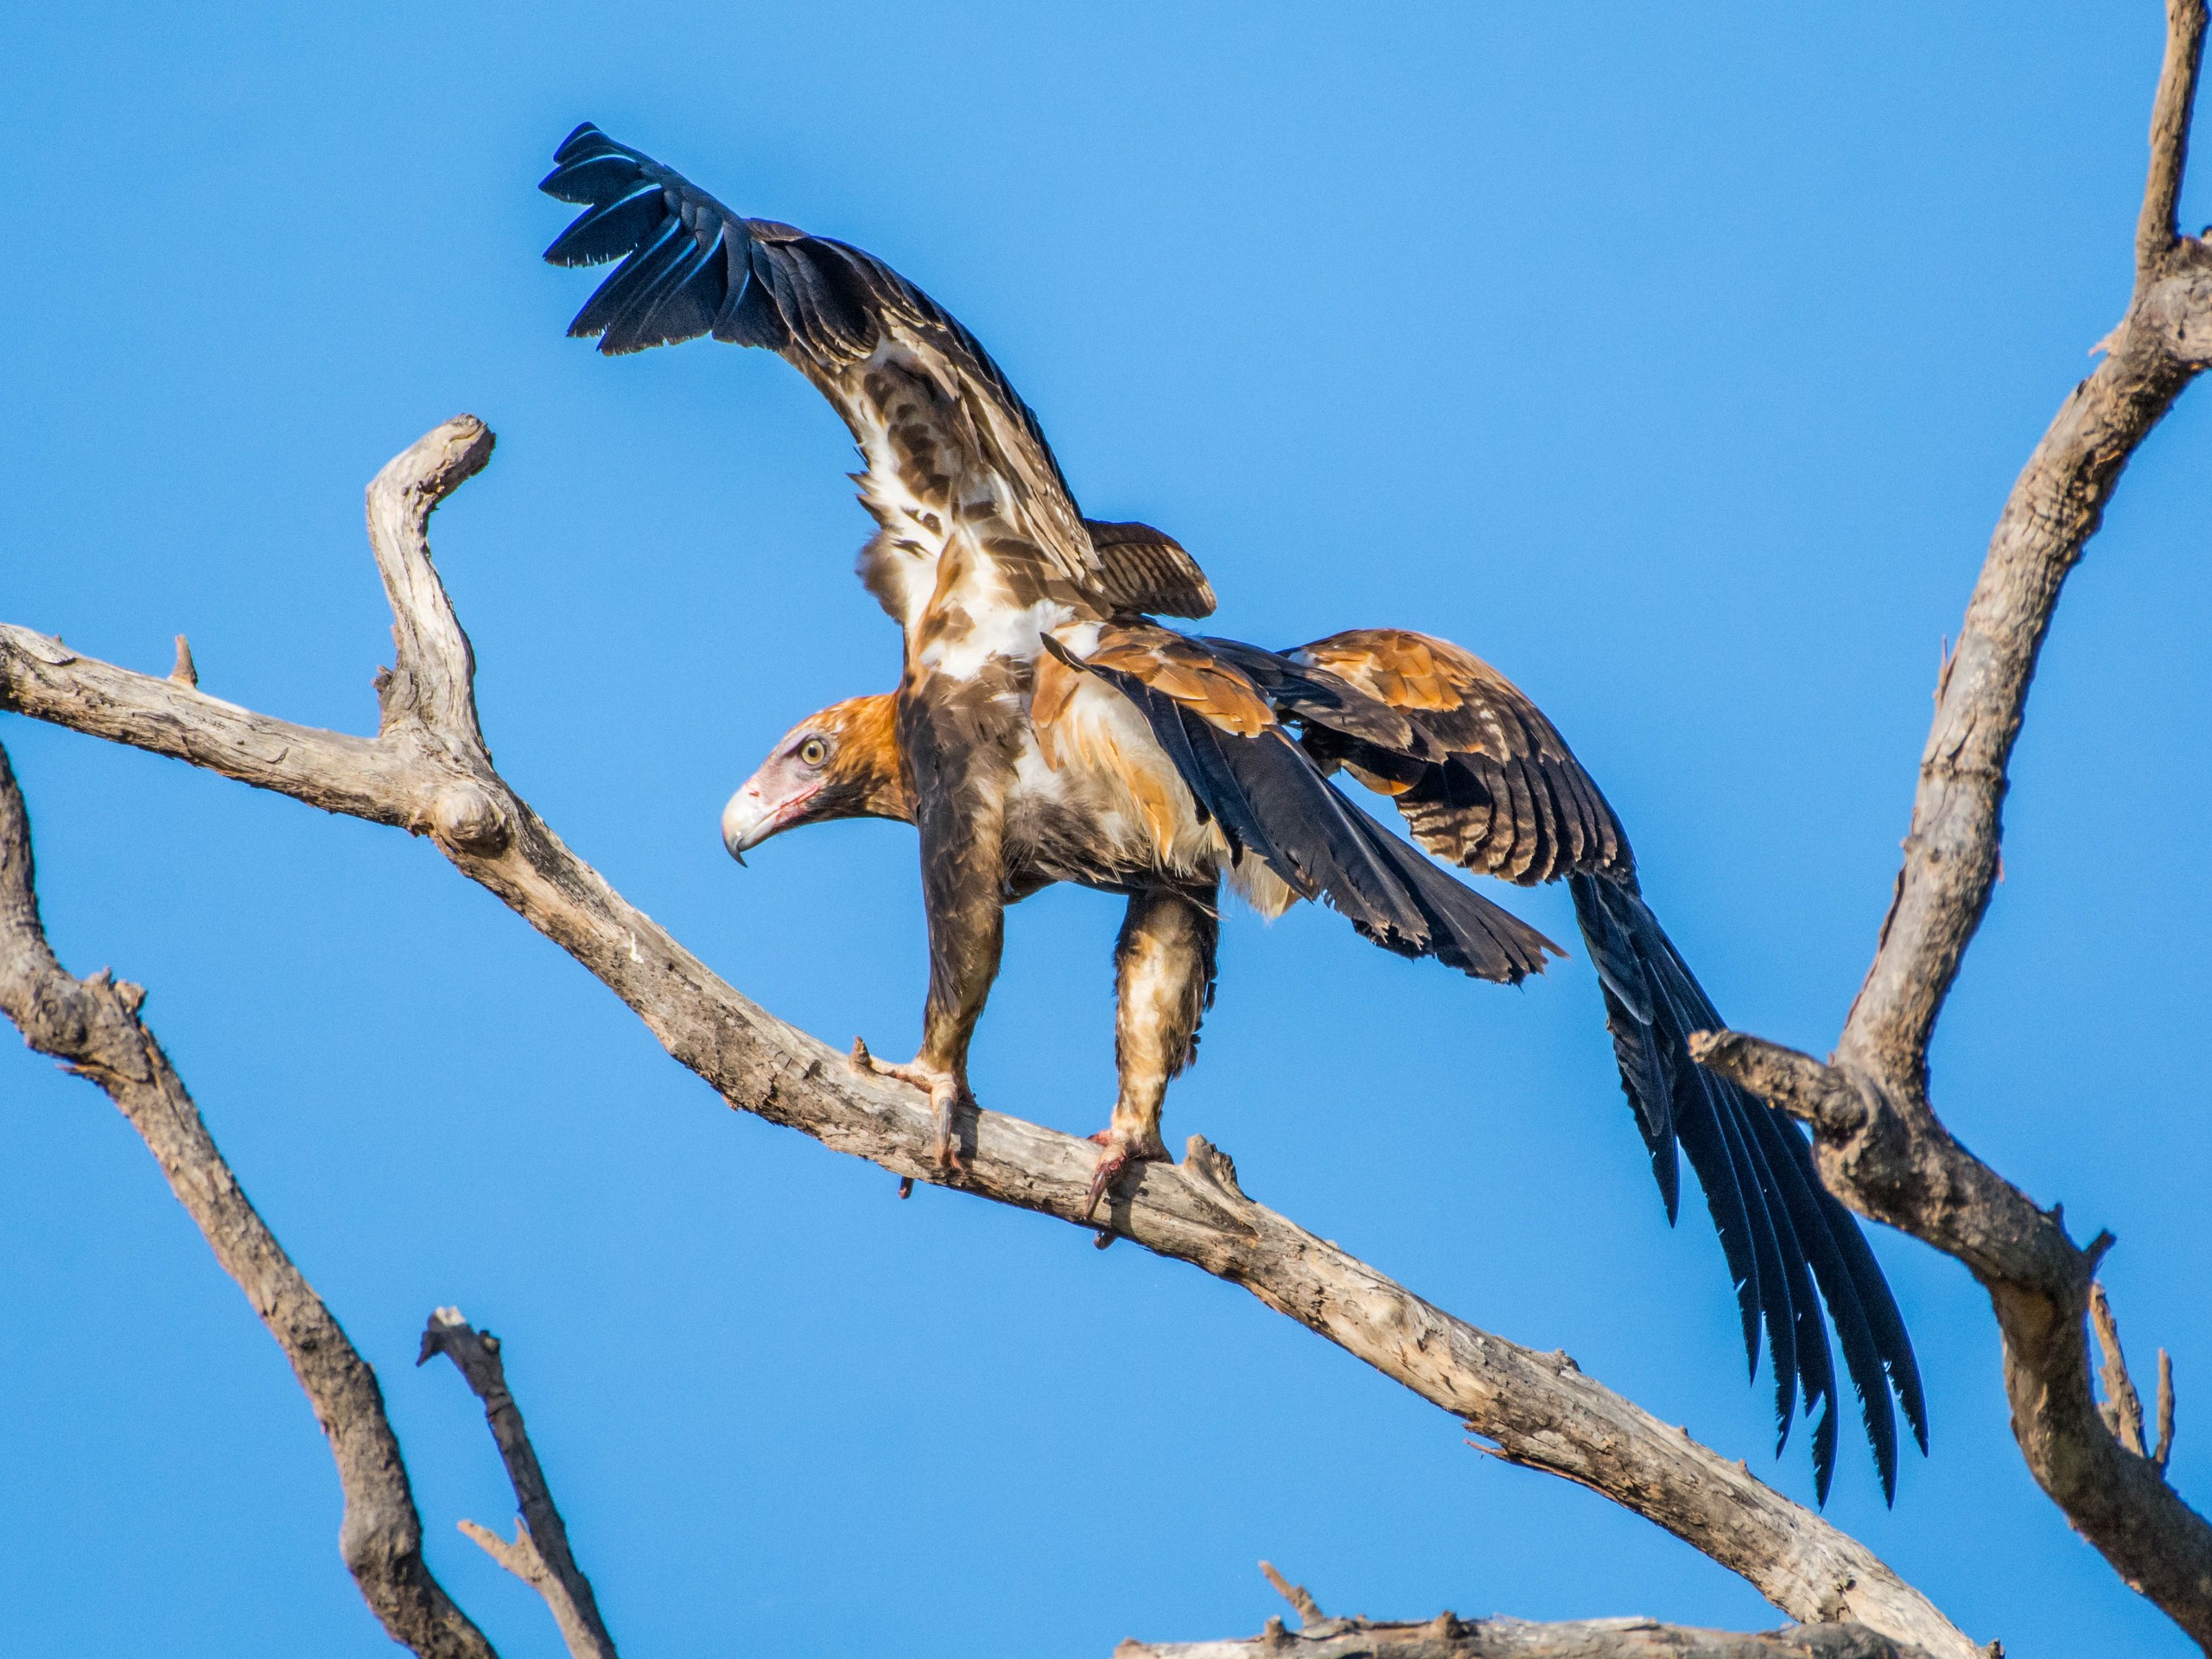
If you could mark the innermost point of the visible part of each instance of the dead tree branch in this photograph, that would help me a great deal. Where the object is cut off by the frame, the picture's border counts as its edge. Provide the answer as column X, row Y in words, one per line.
column 539, row 1555
column 1449, row 1636
column 428, row 771
column 93, row 1027
column 1882, row 1148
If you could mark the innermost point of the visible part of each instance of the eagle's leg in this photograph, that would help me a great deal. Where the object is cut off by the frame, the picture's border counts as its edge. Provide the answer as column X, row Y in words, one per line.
column 1164, row 967
column 961, row 814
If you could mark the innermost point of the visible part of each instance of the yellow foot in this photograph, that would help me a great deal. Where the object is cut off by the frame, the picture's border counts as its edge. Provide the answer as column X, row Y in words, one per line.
column 1117, row 1151
column 947, row 1093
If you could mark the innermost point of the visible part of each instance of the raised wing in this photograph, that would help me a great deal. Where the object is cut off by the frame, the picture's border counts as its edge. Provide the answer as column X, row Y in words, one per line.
column 1247, row 774
column 955, row 459
column 1496, row 790
column 1484, row 780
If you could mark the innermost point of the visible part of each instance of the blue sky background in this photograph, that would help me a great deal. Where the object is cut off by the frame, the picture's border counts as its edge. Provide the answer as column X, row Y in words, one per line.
column 1679, row 364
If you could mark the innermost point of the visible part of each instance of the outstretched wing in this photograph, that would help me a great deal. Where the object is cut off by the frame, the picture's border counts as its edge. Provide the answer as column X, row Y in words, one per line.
column 1271, row 802
column 955, row 461
column 1497, row 789
column 1484, row 780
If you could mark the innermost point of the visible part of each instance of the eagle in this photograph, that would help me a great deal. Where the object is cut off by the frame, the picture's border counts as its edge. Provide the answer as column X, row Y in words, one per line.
column 1048, row 727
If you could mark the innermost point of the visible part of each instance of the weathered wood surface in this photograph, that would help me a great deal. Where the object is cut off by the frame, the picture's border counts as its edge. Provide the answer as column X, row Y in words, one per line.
column 539, row 1553
column 93, row 1027
column 1446, row 1637
column 1881, row 1147
column 428, row 771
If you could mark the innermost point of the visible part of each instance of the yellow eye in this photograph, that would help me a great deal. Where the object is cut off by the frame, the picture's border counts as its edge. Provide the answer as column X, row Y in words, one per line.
column 813, row 752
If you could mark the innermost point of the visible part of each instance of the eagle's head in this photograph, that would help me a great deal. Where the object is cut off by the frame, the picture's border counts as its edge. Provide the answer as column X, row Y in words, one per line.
column 841, row 763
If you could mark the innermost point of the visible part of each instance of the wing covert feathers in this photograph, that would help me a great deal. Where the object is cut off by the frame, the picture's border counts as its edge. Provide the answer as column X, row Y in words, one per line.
column 1146, row 571
column 1500, row 791
column 1271, row 802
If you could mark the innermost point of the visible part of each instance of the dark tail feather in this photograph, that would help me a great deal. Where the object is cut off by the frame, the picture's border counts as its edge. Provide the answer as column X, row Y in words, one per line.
column 1783, row 1232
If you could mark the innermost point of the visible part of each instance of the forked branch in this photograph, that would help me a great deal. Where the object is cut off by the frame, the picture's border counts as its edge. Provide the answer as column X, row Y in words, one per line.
column 539, row 1555
column 428, row 771
column 1881, row 1147
column 93, row 1027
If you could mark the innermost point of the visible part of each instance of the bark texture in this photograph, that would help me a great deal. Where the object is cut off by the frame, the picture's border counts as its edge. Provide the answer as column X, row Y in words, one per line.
column 428, row 771
column 1446, row 1637
column 539, row 1555
column 1880, row 1145
column 93, row 1027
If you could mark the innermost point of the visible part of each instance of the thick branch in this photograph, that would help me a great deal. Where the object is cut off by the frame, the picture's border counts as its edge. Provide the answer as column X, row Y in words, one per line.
column 1538, row 1409
column 1447, row 1637
column 1880, row 1145
column 539, row 1555
column 93, row 1027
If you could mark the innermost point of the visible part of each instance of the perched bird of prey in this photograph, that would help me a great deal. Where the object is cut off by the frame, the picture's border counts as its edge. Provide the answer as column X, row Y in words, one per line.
column 1046, row 728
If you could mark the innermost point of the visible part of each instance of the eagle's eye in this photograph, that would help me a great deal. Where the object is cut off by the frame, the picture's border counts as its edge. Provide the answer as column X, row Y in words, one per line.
column 813, row 752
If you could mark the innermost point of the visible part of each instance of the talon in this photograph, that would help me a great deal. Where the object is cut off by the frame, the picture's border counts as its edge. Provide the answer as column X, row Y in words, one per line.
column 946, row 1091
column 1116, row 1156
column 905, row 1186
column 948, row 1147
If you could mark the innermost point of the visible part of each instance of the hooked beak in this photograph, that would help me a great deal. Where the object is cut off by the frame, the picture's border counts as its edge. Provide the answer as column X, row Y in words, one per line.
column 751, row 817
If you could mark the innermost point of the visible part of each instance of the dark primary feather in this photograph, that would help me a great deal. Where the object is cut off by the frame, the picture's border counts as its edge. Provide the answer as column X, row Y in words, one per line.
column 1757, row 1173
column 692, row 266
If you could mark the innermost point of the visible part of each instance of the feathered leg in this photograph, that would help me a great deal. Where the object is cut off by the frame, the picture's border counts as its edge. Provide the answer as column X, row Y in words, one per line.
column 960, row 809
column 1163, row 983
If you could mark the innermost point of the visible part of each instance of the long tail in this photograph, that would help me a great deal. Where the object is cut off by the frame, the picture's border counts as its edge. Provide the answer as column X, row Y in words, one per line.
column 1781, row 1230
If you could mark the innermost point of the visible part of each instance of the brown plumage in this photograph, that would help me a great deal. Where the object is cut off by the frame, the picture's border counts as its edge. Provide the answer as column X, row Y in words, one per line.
column 1045, row 729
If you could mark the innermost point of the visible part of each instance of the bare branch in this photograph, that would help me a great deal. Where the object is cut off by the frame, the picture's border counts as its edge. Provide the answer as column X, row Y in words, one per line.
column 2123, row 1408
column 428, row 771
column 1309, row 1611
column 93, row 1027
column 539, row 1555
column 2158, row 1458
column 186, row 673
column 1446, row 1637
column 2157, row 230
column 1881, row 1146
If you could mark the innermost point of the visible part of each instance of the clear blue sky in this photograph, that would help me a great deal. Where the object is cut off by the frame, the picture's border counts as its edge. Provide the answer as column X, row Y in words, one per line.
column 1677, row 365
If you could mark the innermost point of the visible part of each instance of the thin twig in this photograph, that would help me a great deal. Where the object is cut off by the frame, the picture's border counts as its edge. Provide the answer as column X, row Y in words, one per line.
column 93, row 1027
column 2123, row 1408
column 2165, row 1412
column 2156, row 228
column 1309, row 1611
column 539, row 1555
